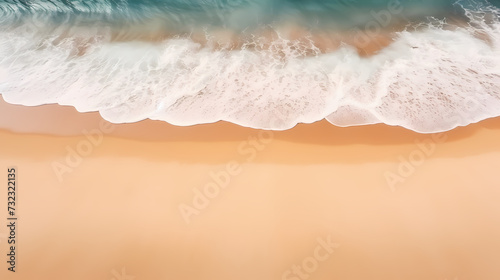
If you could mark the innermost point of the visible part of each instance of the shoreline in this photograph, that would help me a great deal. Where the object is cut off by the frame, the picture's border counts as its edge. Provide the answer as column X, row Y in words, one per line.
column 319, row 142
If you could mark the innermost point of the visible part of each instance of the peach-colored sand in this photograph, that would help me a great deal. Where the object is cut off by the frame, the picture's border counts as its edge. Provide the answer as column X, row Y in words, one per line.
column 114, row 213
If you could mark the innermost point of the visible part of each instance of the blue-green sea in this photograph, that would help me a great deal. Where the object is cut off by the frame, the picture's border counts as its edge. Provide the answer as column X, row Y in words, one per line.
column 239, row 14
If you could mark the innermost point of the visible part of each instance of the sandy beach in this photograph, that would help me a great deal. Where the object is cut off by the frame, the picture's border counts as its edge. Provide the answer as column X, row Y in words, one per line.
column 87, row 199
column 149, row 200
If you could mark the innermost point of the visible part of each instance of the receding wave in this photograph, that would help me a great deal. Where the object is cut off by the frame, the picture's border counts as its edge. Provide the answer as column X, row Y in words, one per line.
column 193, row 62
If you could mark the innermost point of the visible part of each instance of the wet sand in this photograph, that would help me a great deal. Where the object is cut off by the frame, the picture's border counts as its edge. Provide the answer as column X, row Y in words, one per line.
column 219, row 201
column 279, row 39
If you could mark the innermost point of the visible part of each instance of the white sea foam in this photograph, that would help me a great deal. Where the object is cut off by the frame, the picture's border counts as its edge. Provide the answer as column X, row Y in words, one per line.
column 428, row 80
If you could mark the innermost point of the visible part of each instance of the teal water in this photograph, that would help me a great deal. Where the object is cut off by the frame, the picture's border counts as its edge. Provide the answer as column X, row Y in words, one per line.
column 237, row 14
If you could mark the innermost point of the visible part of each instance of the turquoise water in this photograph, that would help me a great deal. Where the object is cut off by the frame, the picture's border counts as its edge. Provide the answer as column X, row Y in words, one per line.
column 238, row 14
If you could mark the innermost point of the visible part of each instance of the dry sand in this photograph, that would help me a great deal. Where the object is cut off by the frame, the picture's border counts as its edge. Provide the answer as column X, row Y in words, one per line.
column 114, row 211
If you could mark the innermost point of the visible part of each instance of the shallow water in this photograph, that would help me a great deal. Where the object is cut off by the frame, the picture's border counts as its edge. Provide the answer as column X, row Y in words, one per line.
column 263, row 64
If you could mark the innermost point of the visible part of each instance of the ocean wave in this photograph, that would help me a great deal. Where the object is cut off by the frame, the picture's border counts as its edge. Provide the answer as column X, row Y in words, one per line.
column 433, row 77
